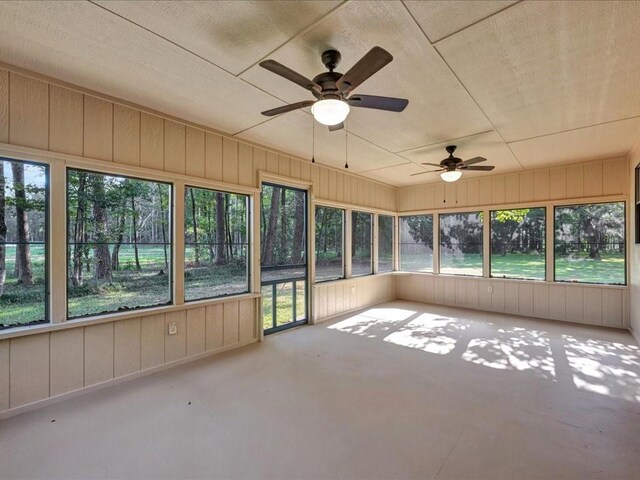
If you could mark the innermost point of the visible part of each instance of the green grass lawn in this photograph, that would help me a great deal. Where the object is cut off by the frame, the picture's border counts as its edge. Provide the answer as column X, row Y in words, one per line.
column 284, row 304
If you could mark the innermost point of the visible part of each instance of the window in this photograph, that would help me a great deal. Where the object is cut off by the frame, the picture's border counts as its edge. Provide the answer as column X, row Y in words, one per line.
column 461, row 243
column 361, row 245
column 118, row 243
column 329, row 243
column 518, row 243
column 23, row 243
column 385, row 243
column 416, row 243
column 216, row 244
column 590, row 243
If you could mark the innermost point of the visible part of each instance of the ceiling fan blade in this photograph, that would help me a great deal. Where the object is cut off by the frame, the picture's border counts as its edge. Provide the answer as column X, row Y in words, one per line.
column 290, row 75
column 422, row 173
column 339, row 126
column 432, row 164
column 480, row 168
column 373, row 61
column 390, row 104
column 473, row 160
column 288, row 108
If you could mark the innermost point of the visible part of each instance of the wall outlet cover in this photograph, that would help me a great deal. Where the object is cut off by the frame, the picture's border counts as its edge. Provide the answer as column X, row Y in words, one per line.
column 490, row 289
column 173, row 328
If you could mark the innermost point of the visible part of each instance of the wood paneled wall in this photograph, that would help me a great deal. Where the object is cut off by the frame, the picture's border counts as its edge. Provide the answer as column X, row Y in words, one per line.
column 334, row 298
column 634, row 251
column 54, row 117
column 37, row 114
column 589, row 304
column 580, row 181
column 44, row 365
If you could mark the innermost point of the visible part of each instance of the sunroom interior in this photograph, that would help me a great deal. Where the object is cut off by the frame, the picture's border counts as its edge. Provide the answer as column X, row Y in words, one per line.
column 190, row 288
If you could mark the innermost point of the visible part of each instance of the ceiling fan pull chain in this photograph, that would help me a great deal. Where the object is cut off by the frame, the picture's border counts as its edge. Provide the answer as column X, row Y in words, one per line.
column 346, row 146
column 313, row 140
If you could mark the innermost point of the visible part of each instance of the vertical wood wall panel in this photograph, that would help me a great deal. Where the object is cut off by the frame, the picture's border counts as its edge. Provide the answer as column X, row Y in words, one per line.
column 230, row 332
column 152, row 341
column 213, row 156
column 541, row 185
column 195, row 162
column 575, row 181
column 98, row 353
column 65, row 120
column 245, row 165
column 4, row 106
column 593, row 179
column 214, row 327
column 126, row 135
column 230, row 163
column 174, row 147
column 196, row 330
column 284, row 166
column 151, row 141
column 67, row 360
column 98, row 128
column 126, row 346
column 28, row 112
column 29, row 369
column 175, row 346
column 614, row 176
column 4, row 374
column 557, row 183
column 526, row 187
column 247, row 320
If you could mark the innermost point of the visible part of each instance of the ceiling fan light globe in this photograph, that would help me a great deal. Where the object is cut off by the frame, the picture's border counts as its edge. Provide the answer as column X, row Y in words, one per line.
column 330, row 111
column 451, row 175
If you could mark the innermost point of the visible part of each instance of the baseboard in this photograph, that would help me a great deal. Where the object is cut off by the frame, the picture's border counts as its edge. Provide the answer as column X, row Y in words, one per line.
column 116, row 381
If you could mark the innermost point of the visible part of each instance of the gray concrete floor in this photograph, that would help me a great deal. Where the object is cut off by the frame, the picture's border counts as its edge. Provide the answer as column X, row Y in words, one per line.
column 402, row 390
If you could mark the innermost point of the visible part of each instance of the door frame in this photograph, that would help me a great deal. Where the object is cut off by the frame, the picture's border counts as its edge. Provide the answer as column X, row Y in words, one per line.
column 307, row 187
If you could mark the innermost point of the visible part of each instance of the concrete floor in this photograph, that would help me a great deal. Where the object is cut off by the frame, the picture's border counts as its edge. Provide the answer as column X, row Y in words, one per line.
column 402, row 390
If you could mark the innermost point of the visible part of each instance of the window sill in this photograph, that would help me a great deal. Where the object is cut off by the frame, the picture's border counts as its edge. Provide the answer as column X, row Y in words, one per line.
column 114, row 317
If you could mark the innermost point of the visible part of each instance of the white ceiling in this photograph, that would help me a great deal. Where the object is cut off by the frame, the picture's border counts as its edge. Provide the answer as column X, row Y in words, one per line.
column 523, row 84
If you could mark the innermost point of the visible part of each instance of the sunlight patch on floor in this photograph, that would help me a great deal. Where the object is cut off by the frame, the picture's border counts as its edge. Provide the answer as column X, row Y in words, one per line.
column 430, row 333
column 604, row 367
column 513, row 349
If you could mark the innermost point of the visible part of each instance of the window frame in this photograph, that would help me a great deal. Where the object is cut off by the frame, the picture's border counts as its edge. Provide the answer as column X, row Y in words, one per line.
column 170, row 210
column 371, row 216
column 626, row 247
column 467, row 212
column 393, row 243
column 433, row 216
column 249, row 245
column 344, row 238
column 46, row 244
column 543, row 207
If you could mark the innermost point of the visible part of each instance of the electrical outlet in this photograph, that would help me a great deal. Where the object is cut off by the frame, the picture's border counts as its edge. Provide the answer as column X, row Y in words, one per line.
column 353, row 290
column 490, row 289
column 173, row 328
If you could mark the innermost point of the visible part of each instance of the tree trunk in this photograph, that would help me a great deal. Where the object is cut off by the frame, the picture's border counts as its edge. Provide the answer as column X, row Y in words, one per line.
column 3, row 232
column 270, row 231
column 164, row 228
column 25, row 274
column 298, row 229
column 134, row 218
column 101, row 257
column 221, row 257
column 195, row 226
column 283, row 224
column 228, row 230
column 115, row 256
column 78, row 233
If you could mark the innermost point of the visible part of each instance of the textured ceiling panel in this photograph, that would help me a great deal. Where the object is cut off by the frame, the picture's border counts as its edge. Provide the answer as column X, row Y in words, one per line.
column 607, row 140
column 439, row 19
column 439, row 108
column 293, row 133
column 232, row 34
column 400, row 175
column 488, row 145
column 83, row 44
column 545, row 67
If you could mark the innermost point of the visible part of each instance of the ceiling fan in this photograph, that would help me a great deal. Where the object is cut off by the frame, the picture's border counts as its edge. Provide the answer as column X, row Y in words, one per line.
column 452, row 167
column 332, row 89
